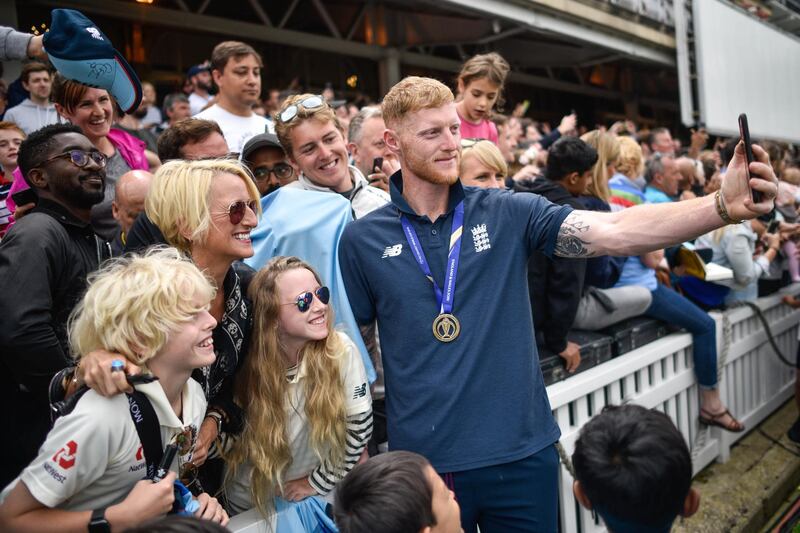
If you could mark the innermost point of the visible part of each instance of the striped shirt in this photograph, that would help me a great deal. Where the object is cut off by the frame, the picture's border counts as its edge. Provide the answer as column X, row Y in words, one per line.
column 624, row 193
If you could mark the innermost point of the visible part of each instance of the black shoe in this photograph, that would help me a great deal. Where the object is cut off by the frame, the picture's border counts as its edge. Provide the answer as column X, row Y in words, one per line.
column 794, row 432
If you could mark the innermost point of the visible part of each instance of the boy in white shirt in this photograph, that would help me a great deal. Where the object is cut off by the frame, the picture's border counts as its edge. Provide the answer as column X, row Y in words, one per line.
column 90, row 470
column 236, row 69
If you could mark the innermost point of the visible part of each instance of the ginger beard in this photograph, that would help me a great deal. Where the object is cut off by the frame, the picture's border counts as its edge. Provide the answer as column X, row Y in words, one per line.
column 439, row 168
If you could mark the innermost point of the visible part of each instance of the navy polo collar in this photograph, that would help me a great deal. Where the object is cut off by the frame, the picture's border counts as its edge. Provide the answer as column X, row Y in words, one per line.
column 456, row 195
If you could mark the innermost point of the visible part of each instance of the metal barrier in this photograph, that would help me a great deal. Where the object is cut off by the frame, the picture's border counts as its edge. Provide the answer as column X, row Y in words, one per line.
column 753, row 383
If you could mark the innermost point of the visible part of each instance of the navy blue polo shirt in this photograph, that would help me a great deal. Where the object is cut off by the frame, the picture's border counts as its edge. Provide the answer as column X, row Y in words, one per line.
column 479, row 400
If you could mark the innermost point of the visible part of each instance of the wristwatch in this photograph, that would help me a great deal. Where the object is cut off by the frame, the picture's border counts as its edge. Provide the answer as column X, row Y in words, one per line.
column 98, row 522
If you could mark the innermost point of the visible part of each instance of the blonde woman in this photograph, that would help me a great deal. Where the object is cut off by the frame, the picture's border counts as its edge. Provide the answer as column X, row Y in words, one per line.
column 304, row 390
column 205, row 209
column 482, row 165
column 608, row 152
column 153, row 310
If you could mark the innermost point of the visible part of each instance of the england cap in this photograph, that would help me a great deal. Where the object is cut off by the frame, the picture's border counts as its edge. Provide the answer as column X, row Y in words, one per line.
column 81, row 52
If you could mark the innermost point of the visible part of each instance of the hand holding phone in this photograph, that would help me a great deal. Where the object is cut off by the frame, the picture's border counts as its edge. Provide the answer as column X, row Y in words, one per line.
column 773, row 226
column 744, row 132
column 166, row 461
column 25, row 197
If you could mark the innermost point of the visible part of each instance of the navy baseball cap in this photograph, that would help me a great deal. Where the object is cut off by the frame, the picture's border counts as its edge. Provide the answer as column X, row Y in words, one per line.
column 197, row 69
column 81, row 52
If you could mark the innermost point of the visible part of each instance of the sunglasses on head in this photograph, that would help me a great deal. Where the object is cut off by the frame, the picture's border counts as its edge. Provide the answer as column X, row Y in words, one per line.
column 469, row 143
column 312, row 102
column 81, row 158
column 237, row 210
column 304, row 300
column 282, row 171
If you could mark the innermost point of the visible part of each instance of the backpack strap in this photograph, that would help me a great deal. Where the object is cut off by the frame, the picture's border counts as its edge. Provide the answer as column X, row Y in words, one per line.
column 146, row 421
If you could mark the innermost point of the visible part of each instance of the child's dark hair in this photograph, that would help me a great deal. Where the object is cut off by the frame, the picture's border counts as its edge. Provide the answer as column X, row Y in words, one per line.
column 389, row 493
column 633, row 465
column 568, row 155
column 491, row 66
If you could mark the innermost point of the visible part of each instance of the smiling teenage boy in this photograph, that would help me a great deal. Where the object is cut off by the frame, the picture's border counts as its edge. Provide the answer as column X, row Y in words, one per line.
column 314, row 141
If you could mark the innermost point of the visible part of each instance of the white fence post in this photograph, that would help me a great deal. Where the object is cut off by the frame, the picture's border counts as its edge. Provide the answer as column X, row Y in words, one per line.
column 753, row 383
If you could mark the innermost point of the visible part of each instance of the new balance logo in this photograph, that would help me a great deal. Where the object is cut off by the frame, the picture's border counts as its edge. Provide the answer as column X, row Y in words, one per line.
column 392, row 251
column 360, row 392
column 481, row 238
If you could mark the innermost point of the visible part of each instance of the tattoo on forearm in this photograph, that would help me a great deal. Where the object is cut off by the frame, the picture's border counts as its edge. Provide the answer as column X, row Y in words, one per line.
column 569, row 242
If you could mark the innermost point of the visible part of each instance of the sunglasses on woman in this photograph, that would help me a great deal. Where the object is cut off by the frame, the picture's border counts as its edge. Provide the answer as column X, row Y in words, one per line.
column 312, row 102
column 303, row 301
column 237, row 210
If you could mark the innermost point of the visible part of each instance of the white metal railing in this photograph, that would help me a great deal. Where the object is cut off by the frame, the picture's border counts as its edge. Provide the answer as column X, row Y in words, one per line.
column 753, row 383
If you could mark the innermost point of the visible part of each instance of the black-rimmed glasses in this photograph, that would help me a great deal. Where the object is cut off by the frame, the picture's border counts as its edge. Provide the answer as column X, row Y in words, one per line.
column 81, row 158
column 282, row 171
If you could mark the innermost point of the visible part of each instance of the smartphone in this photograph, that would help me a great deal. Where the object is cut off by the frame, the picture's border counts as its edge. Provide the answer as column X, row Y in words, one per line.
column 377, row 165
column 744, row 132
column 27, row 196
column 773, row 226
column 166, row 461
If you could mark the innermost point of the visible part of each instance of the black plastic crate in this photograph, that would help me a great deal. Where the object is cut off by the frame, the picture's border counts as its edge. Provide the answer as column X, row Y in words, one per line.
column 596, row 348
column 635, row 332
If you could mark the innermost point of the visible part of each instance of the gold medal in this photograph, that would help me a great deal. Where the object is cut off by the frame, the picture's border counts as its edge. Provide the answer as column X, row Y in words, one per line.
column 446, row 327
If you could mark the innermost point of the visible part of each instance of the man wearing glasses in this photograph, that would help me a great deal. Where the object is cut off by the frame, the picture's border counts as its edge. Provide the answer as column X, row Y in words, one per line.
column 44, row 262
column 263, row 155
column 313, row 138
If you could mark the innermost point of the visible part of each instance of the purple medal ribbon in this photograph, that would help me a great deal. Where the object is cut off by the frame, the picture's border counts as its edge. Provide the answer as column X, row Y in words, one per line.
column 445, row 300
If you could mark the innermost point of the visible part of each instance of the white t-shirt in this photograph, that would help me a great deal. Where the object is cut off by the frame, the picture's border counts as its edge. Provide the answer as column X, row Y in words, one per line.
column 197, row 102
column 357, row 399
column 92, row 457
column 237, row 130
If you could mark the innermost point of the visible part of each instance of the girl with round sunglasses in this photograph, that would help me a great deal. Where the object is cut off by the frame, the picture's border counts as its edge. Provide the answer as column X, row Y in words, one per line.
column 304, row 391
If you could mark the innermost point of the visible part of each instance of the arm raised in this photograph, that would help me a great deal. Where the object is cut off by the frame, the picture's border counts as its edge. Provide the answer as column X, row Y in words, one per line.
column 645, row 228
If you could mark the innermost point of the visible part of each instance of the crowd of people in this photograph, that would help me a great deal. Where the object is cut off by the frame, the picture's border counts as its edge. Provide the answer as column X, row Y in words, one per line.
column 229, row 302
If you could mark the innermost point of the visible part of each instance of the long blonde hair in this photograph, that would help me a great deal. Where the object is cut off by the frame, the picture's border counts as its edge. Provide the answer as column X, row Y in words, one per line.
column 607, row 153
column 262, row 391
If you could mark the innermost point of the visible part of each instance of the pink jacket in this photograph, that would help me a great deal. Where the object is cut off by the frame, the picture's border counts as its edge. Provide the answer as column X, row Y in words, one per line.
column 130, row 148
